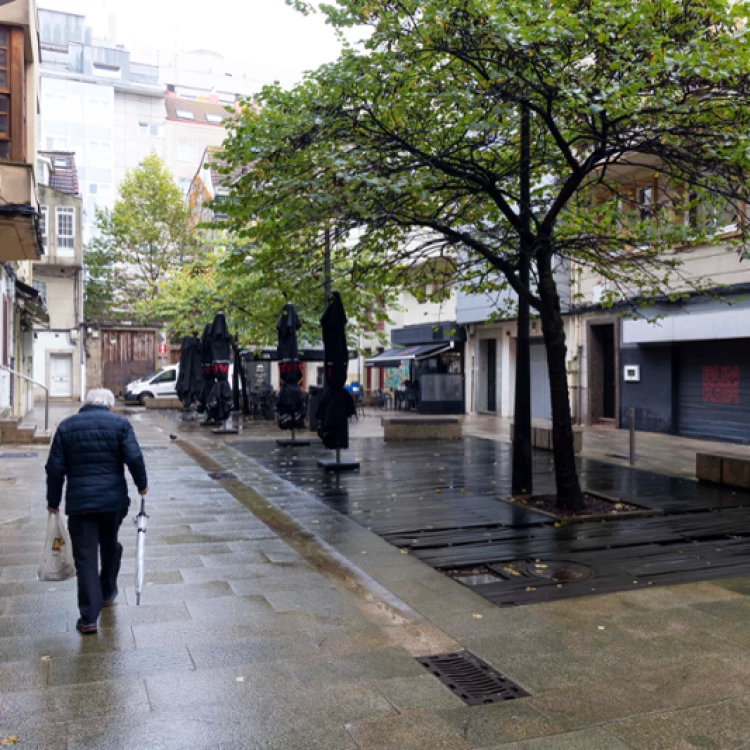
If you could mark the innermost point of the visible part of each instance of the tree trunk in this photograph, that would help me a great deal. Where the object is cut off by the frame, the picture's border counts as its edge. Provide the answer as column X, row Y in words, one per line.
column 569, row 494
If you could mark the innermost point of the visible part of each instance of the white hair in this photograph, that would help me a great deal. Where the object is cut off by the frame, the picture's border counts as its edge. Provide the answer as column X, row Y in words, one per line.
column 100, row 397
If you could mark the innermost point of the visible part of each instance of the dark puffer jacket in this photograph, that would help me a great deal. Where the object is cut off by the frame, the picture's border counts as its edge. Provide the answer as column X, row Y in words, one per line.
column 91, row 450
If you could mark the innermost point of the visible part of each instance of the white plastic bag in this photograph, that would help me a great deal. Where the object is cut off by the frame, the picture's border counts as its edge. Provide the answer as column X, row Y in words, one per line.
column 57, row 559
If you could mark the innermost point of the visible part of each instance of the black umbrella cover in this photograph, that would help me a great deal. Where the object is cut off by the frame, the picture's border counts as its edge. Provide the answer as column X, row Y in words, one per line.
column 190, row 380
column 336, row 405
column 221, row 347
column 290, row 407
column 287, row 326
column 206, row 370
column 336, row 352
column 220, row 401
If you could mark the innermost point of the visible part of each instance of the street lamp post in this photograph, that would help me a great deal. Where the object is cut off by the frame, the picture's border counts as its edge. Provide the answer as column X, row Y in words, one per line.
column 522, row 481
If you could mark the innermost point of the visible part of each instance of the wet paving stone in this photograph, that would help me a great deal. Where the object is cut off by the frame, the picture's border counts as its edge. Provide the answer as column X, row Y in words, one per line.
column 139, row 663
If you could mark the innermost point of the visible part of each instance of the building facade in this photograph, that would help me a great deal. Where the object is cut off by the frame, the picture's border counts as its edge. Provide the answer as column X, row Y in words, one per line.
column 20, row 245
column 59, row 346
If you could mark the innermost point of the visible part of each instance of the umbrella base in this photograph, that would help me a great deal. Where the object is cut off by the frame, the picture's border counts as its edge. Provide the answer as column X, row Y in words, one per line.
column 208, row 423
column 226, row 431
column 292, row 443
column 331, row 464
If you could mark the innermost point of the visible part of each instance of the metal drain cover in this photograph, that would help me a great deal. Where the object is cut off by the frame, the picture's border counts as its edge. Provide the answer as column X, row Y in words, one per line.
column 221, row 475
column 18, row 455
column 474, row 681
column 560, row 571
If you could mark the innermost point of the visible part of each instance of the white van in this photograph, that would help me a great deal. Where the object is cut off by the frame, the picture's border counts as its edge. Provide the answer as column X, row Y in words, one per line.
column 160, row 384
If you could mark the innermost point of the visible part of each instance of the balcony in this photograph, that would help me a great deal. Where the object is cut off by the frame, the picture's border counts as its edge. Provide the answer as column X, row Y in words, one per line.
column 19, row 214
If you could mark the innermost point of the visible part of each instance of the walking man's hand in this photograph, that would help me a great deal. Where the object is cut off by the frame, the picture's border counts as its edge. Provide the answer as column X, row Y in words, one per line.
column 143, row 491
column 53, row 511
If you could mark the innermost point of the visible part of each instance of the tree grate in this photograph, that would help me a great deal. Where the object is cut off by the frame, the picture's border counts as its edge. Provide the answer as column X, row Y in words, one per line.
column 474, row 681
column 18, row 455
column 219, row 475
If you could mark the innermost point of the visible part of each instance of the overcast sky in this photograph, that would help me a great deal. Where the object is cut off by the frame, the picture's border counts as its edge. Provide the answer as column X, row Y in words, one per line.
column 272, row 40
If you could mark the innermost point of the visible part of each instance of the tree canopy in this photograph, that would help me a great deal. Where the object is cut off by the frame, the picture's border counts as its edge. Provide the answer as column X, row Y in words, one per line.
column 138, row 242
column 419, row 128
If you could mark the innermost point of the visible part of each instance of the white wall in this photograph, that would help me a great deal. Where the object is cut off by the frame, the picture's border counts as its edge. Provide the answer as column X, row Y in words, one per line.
column 57, row 342
column 132, row 145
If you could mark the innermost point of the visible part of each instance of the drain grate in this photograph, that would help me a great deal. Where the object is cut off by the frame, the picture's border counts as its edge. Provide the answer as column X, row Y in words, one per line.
column 471, row 679
column 18, row 455
column 221, row 475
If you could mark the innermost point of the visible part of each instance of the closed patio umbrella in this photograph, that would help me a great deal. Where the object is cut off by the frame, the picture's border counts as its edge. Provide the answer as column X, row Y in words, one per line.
column 190, row 380
column 220, row 397
column 290, row 405
column 206, row 371
column 337, row 404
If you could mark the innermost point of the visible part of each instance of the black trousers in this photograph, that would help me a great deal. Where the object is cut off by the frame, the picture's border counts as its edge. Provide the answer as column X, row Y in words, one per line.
column 94, row 535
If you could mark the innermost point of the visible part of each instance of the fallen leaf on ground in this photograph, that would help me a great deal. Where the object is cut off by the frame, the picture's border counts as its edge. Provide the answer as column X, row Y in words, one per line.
column 9, row 740
column 601, row 627
column 239, row 679
column 404, row 551
column 477, row 616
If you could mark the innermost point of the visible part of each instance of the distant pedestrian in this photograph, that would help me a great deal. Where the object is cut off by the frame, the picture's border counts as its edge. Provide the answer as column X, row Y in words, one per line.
column 91, row 450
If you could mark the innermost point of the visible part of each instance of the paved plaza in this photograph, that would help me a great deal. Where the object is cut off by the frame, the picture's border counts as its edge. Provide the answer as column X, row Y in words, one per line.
column 273, row 620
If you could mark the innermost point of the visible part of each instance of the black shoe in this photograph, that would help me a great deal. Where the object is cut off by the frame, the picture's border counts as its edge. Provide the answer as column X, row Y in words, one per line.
column 110, row 600
column 86, row 628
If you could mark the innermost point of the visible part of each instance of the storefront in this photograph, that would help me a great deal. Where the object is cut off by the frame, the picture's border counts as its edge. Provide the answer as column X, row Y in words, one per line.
column 428, row 361
column 681, row 379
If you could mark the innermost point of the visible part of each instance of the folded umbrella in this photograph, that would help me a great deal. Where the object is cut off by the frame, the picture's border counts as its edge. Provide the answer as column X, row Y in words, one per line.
column 140, row 551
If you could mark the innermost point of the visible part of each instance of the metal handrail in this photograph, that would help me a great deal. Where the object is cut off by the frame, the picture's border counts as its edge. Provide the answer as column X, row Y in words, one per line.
column 33, row 382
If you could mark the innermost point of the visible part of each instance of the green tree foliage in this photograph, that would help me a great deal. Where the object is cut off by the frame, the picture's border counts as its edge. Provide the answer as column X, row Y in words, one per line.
column 227, row 276
column 137, row 243
column 418, row 129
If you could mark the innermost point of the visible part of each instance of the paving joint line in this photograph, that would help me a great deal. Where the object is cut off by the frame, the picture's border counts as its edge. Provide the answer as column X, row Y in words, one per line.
column 418, row 636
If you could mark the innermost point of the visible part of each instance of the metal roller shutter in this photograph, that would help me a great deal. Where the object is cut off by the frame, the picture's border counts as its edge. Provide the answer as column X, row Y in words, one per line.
column 714, row 390
column 541, row 401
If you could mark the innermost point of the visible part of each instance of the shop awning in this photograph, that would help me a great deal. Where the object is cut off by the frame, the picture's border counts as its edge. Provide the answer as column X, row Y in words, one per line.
column 271, row 354
column 395, row 357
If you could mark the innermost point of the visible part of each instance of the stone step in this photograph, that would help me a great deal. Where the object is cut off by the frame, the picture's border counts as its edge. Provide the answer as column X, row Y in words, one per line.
column 15, row 431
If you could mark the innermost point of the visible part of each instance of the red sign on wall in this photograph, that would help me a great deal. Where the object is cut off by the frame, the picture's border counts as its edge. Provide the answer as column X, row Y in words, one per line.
column 721, row 385
column 162, row 350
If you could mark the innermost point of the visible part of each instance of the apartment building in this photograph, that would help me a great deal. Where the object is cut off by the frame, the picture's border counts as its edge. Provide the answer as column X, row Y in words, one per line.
column 21, row 307
column 59, row 347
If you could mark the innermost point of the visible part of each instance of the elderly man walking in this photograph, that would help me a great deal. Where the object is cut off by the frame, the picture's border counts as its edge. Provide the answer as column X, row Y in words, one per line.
column 91, row 450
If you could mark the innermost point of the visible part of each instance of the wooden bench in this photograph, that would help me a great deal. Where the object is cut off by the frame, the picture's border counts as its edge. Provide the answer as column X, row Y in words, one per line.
column 541, row 437
column 421, row 428
column 730, row 471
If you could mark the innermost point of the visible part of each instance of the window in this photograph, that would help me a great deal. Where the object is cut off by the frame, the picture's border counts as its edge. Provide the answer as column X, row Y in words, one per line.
column 184, row 184
column 155, row 130
column 43, row 224
column 645, row 203
column 215, row 119
column 12, row 94
column 65, row 230
column 168, row 376
column 41, row 287
column 185, row 114
column 186, row 151
column 143, row 128
column 93, row 188
column 107, row 71
column 60, row 162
